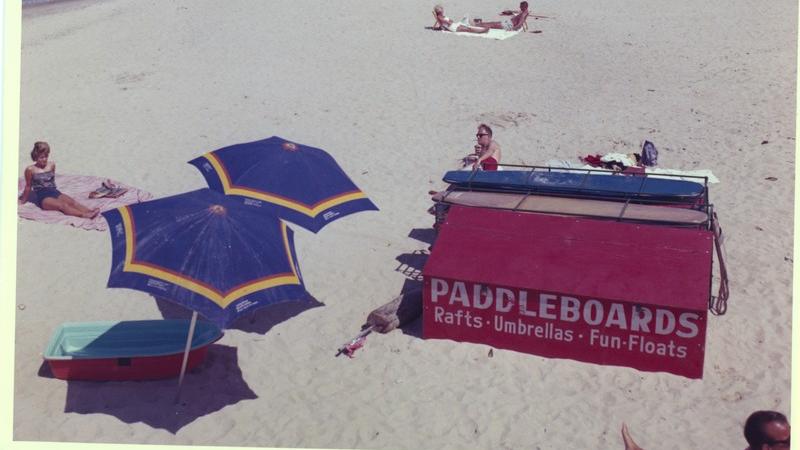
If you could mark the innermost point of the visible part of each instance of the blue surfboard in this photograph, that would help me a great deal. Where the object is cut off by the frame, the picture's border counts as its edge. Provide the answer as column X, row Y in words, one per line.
column 578, row 184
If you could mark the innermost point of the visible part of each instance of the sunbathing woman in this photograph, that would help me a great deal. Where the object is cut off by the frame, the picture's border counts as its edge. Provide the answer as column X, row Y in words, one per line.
column 444, row 23
column 40, row 186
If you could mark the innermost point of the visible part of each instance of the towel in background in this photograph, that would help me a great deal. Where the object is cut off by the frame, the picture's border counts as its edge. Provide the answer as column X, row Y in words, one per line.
column 79, row 187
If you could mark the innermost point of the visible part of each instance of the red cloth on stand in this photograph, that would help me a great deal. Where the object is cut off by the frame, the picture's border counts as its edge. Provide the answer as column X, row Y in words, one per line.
column 489, row 164
column 593, row 160
column 634, row 170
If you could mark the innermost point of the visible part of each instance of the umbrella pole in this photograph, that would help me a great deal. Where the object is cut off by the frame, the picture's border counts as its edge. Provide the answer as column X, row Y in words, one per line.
column 186, row 355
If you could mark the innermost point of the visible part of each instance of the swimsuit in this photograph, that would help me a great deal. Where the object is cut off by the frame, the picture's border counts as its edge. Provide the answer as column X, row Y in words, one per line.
column 489, row 164
column 43, row 185
column 453, row 26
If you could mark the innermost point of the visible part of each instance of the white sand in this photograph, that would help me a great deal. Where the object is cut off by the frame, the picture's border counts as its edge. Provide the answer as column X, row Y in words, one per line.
column 132, row 90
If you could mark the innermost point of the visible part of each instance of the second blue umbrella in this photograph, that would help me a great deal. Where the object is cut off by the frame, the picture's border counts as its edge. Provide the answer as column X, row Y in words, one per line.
column 297, row 182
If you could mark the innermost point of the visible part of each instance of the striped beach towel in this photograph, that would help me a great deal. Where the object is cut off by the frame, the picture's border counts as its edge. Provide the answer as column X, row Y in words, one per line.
column 79, row 187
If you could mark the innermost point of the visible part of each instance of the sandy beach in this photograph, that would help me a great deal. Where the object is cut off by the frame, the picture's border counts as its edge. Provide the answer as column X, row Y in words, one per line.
column 132, row 90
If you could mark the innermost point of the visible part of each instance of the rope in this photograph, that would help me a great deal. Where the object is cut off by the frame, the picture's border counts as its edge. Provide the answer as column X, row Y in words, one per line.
column 718, row 304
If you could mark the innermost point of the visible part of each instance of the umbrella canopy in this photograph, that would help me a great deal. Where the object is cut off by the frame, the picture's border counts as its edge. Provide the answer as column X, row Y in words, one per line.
column 299, row 183
column 206, row 251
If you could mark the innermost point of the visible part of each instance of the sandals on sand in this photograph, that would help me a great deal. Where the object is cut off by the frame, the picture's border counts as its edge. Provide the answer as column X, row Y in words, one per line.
column 107, row 189
column 102, row 191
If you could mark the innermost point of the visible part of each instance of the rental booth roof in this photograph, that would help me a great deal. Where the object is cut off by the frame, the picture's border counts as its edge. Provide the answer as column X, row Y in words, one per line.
column 597, row 291
column 642, row 264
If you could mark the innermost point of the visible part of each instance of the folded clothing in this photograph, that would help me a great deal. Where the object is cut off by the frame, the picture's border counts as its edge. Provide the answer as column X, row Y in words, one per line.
column 612, row 161
column 622, row 158
column 79, row 187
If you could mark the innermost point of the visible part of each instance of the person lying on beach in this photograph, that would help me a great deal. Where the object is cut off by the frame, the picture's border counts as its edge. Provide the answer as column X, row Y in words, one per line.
column 513, row 23
column 445, row 23
column 40, row 186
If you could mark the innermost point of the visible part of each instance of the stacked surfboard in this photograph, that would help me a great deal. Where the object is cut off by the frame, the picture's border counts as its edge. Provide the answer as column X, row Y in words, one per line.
column 630, row 198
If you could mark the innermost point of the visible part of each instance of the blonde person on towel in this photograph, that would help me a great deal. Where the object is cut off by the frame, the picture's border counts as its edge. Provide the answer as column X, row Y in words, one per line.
column 445, row 23
column 514, row 23
column 40, row 186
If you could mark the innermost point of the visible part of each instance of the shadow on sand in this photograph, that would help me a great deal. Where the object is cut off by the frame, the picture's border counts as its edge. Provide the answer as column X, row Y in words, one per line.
column 426, row 235
column 259, row 321
column 411, row 265
column 210, row 387
column 413, row 327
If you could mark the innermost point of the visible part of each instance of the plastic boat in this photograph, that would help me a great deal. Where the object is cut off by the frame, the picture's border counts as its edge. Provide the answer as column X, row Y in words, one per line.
column 126, row 350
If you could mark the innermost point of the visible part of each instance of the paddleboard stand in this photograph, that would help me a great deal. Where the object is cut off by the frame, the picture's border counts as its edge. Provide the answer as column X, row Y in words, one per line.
column 635, row 194
column 634, row 206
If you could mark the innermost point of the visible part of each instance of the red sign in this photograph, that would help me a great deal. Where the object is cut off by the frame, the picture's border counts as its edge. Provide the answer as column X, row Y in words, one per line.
column 596, row 291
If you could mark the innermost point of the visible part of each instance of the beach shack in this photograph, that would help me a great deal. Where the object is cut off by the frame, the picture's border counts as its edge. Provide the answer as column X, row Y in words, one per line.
column 596, row 291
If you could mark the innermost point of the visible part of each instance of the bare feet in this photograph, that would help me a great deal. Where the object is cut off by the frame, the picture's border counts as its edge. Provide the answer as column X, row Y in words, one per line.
column 91, row 214
column 628, row 440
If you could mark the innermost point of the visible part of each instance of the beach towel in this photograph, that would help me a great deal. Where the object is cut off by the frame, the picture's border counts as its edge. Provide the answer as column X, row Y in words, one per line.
column 492, row 34
column 654, row 172
column 681, row 174
column 555, row 162
column 79, row 187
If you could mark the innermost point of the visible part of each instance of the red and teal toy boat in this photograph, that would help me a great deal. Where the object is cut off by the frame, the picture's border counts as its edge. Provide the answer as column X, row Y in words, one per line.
column 126, row 350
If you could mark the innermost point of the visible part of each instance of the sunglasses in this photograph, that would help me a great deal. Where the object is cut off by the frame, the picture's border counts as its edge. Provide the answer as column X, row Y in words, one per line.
column 481, row 134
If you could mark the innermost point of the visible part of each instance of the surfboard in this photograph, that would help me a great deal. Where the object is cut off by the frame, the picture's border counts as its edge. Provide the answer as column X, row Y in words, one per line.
column 579, row 184
column 573, row 206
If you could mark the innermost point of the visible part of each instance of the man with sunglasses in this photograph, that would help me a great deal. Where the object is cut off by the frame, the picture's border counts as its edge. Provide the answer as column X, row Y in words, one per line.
column 515, row 23
column 487, row 150
column 767, row 430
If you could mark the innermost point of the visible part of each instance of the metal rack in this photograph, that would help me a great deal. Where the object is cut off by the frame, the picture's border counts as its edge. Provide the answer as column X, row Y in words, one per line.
column 702, row 204
column 717, row 304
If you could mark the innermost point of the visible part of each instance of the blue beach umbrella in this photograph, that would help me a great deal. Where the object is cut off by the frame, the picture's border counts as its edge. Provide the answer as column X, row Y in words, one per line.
column 301, row 184
column 204, row 250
